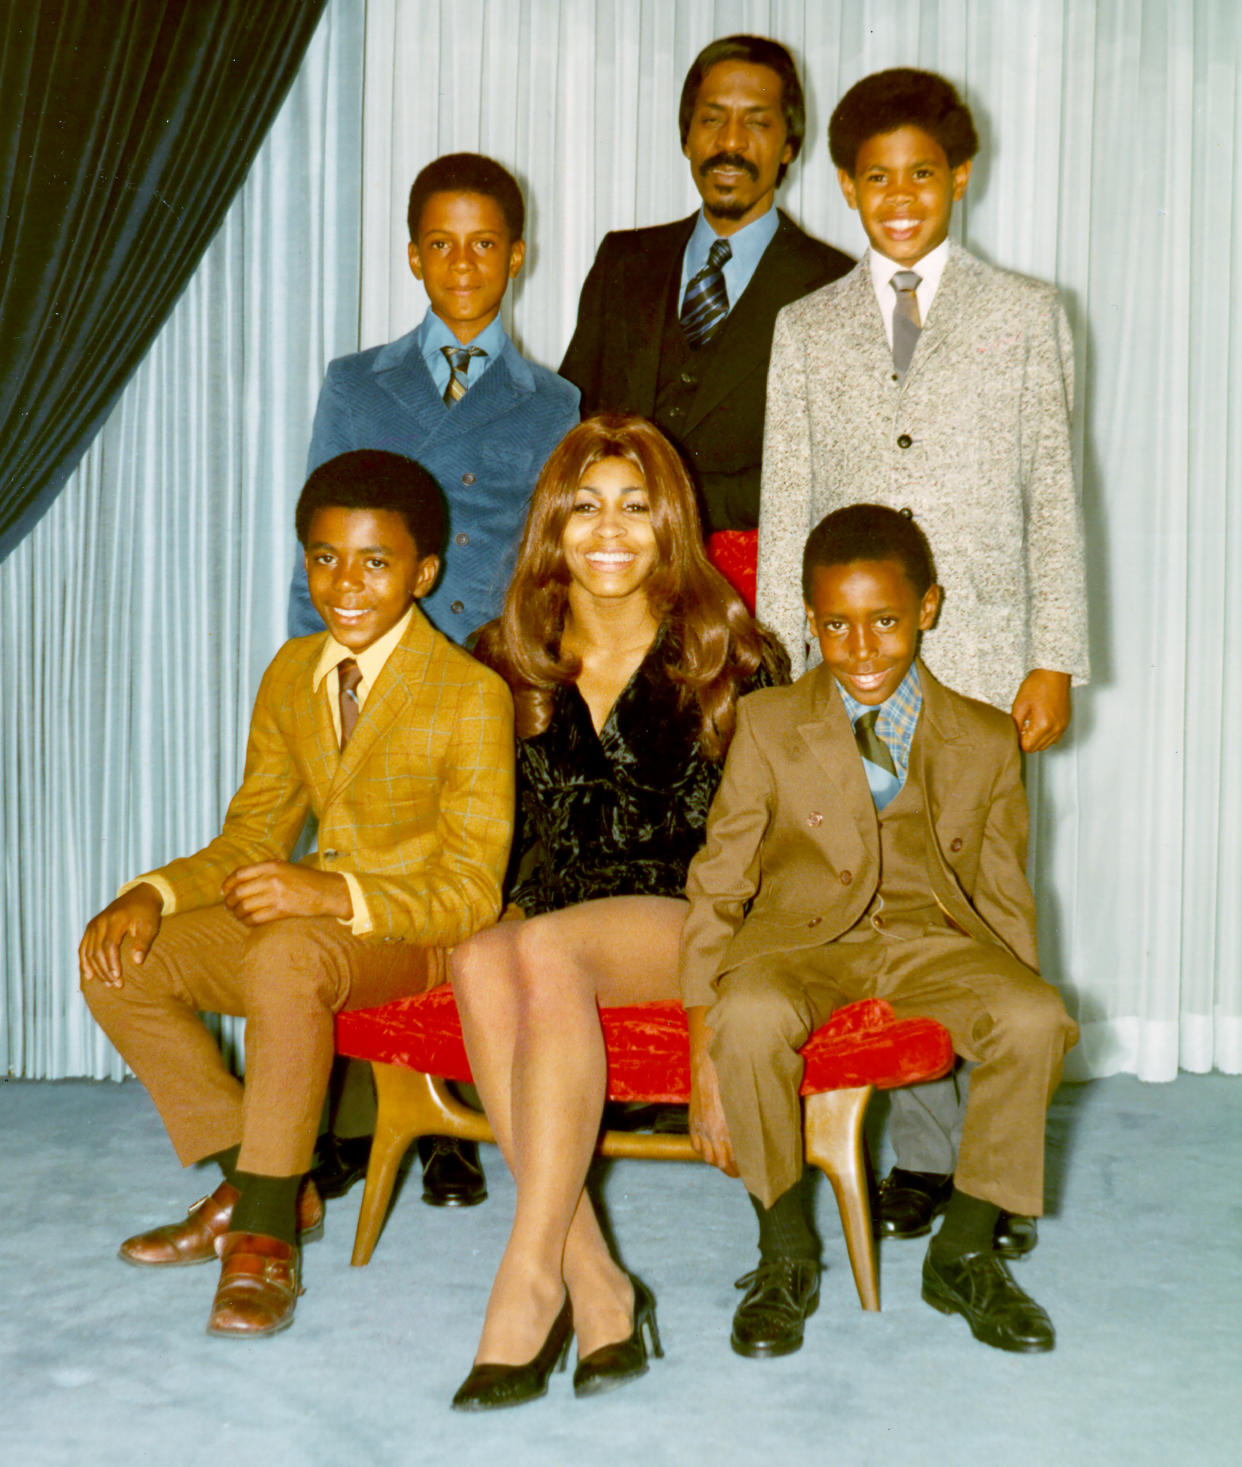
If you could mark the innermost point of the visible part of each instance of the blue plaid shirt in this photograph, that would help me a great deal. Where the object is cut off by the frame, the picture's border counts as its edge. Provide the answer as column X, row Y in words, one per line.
column 899, row 716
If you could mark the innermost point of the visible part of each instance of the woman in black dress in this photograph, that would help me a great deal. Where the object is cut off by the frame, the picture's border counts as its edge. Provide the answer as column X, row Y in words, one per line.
column 626, row 653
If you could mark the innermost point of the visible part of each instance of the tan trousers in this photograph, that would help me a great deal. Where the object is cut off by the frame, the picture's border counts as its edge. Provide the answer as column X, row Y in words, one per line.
column 999, row 1013
column 287, row 979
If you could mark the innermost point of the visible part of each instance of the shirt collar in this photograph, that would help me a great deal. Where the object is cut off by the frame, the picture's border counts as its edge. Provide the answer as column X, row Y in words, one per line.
column 370, row 660
column 901, row 707
column 434, row 334
column 747, row 245
column 929, row 270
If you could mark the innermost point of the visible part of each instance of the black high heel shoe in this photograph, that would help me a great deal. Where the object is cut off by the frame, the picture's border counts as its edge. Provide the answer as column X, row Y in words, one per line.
column 489, row 1387
column 612, row 1365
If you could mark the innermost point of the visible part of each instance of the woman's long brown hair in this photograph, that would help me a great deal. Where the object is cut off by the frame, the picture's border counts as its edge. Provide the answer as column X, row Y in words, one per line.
column 712, row 642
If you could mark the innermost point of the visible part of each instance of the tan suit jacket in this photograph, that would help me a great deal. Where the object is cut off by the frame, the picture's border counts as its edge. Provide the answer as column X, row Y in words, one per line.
column 419, row 808
column 792, row 854
column 974, row 439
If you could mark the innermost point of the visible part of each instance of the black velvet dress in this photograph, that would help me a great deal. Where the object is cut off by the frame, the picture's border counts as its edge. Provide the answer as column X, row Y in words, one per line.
column 621, row 812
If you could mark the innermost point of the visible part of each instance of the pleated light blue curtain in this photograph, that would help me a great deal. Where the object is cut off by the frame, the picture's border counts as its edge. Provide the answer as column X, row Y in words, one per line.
column 1112, row 153
column 140, row 612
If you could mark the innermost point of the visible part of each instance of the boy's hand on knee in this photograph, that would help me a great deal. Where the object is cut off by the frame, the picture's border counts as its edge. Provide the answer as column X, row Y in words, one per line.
column 1042, row 709
column 136, row 915
column 271, row 890
column 709, row 1131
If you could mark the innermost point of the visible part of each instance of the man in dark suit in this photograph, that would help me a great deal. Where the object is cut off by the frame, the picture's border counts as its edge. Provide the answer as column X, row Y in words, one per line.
column 668, row 330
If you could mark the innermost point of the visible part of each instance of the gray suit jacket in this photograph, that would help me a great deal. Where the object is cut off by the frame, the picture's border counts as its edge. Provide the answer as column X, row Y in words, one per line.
column 974, row 440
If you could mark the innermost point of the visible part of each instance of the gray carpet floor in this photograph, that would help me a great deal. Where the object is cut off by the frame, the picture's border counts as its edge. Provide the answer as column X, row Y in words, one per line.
column 1138, row 1265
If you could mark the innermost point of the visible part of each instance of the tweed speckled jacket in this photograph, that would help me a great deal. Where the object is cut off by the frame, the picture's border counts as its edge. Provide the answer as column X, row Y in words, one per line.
column 974, row 440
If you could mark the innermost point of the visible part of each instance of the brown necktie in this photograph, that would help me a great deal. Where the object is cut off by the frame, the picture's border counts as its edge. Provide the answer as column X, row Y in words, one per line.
column 458, row 358
column 350, row 675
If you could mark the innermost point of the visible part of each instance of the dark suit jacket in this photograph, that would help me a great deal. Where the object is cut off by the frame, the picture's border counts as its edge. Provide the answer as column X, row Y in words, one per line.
column 614, row 357
column 792, row 855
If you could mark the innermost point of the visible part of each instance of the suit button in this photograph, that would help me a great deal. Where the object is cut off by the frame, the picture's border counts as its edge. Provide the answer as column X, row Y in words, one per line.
column 955, row 844
column 689, row 379
column 461, row 538
column 846, row 877
column 814, row 819
column 457, row 608
column 815, row 921
column 469, row 478
column 330, row 855
column 878, row 921
column 904, row 441
column 674, row 412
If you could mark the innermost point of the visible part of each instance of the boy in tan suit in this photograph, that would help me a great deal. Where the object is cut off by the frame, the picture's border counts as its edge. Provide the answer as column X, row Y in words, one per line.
column 880, row 860
column 402, row 747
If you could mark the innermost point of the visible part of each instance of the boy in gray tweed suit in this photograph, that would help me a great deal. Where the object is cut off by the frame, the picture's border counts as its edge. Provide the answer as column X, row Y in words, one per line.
column 931, row 380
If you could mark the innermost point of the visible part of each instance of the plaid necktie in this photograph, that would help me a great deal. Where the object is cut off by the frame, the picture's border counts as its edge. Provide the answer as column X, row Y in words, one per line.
column 870, row 744
column 458, row 358
column 707, row 298
column 906, row 321
column 350, row 675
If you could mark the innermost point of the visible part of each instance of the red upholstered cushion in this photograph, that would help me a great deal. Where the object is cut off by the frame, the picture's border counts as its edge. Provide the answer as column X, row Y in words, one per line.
column 735, row 554
column 648, row 1050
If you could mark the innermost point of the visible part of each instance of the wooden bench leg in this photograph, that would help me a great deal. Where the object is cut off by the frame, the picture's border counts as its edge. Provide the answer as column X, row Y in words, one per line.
column 834, row 1142
column 409, row 1104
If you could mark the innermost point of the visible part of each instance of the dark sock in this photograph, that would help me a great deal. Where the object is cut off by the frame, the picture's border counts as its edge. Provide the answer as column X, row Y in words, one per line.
column 968, row 1226
column 227, row 1162
column 267, row 1205
column 784, row 1231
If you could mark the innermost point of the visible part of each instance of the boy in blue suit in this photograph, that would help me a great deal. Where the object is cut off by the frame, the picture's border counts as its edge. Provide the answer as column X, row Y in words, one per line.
column 456, row 396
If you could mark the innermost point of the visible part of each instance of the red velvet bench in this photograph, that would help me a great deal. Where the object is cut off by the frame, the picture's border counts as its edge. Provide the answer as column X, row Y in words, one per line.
column 415, row 1046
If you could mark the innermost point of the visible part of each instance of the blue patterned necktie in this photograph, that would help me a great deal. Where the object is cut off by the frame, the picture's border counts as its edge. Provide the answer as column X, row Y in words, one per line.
column 906, row 321
column 707, row 298
column 458, row 358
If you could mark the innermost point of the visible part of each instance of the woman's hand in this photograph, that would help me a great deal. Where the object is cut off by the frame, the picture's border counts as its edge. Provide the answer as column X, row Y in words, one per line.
column 709, row 1131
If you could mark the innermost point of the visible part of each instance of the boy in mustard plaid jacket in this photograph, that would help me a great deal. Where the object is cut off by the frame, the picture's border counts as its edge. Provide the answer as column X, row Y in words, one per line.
column 402, row 747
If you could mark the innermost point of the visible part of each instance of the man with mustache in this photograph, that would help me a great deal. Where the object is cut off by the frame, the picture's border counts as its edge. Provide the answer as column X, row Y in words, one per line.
column 675, row 322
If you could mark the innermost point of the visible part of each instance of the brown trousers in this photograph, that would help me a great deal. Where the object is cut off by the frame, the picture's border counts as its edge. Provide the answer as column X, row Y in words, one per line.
column 1000, row 1014
column 287, row 979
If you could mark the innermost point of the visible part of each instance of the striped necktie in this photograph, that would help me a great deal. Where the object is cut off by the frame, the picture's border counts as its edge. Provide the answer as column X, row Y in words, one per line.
column 349, row 675
column 707, row 298
column 458, row 358
column 906, row 321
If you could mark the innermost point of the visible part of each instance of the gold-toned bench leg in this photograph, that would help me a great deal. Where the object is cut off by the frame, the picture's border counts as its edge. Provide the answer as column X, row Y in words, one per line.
column 409, row 1104
column 834, row 1143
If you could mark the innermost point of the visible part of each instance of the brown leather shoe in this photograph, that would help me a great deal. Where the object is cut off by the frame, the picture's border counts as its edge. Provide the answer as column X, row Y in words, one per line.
column 198, row 1239
column 258, row 1287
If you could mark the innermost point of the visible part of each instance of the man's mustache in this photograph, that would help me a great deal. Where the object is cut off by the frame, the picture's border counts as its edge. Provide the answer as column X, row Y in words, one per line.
column 728, row 160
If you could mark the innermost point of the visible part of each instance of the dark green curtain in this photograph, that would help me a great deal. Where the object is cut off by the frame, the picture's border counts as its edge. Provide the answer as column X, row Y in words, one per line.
column 126, row 128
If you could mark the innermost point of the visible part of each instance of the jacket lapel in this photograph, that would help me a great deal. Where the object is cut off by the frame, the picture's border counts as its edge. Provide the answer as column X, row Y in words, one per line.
column 646, row 291
column 829, row 737
column 951, row 306
column 405, row 669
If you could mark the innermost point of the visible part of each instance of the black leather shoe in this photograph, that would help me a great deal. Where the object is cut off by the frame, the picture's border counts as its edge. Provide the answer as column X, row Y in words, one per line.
column 342, row 1162
column 612, row 1365
column 980, row 1288
column 781, row 1294
column 491, row 1387
column 452, row 1173
column 1015, row 1235
column 908, row 1201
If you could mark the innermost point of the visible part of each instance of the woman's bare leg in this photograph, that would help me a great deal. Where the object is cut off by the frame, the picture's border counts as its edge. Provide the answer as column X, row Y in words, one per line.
column 527, row 992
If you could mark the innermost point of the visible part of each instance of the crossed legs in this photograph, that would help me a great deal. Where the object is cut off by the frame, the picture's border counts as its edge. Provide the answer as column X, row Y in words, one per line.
column 528, row 993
